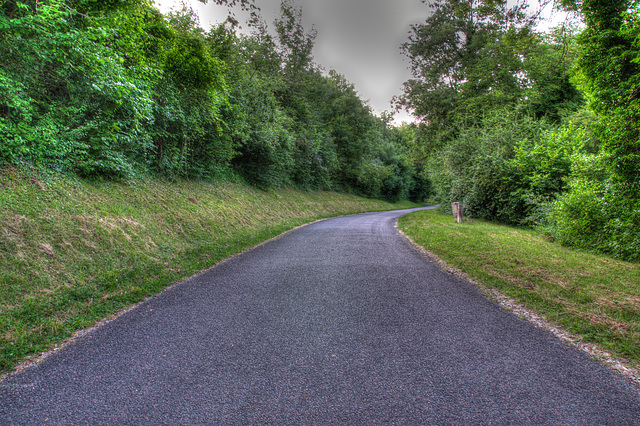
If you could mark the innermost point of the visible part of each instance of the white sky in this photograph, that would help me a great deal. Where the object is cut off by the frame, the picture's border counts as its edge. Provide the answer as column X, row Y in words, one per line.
column 360, row 39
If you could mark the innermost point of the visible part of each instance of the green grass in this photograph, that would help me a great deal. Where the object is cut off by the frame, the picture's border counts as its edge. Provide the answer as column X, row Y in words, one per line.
column 595, row 297
column 72, row 252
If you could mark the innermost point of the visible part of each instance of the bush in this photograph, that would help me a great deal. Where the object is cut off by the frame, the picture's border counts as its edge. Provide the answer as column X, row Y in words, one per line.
column 596, row 213
column 481, row 168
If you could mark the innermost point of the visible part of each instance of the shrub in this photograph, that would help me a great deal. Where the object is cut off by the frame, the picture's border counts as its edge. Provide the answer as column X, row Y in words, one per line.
column 596, row 213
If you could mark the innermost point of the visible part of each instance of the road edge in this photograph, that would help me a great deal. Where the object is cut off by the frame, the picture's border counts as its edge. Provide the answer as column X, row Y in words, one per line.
column 619, row 365
column 36, row 359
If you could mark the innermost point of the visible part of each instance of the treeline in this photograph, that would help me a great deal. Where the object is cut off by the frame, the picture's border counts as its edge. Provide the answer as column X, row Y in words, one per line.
column 533, row 128
column 113, row 89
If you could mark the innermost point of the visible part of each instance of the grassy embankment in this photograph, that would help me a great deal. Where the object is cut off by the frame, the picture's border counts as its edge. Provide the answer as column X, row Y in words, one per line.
column 594, row 297
column 73, row 253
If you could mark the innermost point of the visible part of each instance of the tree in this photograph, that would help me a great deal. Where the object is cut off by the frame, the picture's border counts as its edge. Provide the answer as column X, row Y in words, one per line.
column 296, row 45
column 601, row 210
column 548, row 67
column 78, row 105
column 464, row 60
column 610, row 65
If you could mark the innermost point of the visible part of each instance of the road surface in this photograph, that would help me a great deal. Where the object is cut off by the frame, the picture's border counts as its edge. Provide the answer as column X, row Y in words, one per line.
column 339, row 322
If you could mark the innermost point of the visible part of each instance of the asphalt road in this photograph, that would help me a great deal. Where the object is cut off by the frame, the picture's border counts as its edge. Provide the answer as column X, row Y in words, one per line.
column 339, row 322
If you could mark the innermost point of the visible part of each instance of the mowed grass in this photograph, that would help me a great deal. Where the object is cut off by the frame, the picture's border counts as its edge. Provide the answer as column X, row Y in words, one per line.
column 595, row 297
column 72, row 253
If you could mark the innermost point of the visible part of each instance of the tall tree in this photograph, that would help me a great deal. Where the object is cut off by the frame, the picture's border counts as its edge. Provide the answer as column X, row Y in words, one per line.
column 296, row 44
column 463, row 58
column 548, row 69
column 610, row 64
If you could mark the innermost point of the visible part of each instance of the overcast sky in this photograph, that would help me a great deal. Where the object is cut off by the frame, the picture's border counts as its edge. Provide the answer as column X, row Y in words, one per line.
column 360, row 39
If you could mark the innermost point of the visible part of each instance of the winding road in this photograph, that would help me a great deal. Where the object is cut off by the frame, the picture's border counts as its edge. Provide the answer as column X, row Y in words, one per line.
column 339, row 322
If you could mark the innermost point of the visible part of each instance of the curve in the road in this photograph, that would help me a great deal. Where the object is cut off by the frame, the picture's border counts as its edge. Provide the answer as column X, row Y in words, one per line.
column 339, row 322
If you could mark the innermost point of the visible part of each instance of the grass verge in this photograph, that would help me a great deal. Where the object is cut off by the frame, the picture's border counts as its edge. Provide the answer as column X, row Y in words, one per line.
column 73, row 253
column 592, row 296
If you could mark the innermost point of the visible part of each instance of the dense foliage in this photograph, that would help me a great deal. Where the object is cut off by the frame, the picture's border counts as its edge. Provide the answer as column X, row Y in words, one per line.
column 533, row 128
column 526, row 127
column 115, row 90
column 601, row 210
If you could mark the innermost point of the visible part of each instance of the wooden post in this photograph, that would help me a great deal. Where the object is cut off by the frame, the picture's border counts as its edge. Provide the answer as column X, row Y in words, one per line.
column 457, row 212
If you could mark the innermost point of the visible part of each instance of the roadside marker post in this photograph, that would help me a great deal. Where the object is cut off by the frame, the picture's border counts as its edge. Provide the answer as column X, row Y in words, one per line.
column 457, row 212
